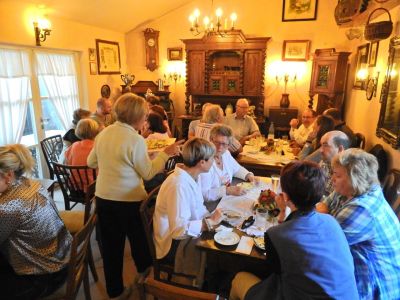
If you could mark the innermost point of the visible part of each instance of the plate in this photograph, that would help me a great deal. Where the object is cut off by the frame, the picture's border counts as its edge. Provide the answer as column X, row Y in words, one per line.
column 259, row 242
column 246, row 185
column 159, row 145
column 226, row 238
column 232, row 217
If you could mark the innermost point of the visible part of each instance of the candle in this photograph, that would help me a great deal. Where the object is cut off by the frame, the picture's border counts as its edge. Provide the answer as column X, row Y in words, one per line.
column 225, row 24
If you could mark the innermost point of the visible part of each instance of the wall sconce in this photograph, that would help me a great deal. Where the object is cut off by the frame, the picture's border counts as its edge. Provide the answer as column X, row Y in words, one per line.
column 42, row 30
column 175, row 76
column 372, row 86
column 285, row 102
column 362, row 76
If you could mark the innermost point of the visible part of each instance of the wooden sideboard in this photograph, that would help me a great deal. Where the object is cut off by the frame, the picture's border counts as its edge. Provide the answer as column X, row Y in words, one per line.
column 281, row 118
column 224, row 68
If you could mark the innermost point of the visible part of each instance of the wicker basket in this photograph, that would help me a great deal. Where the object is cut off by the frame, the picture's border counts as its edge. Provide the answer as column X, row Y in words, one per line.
column 379, row 30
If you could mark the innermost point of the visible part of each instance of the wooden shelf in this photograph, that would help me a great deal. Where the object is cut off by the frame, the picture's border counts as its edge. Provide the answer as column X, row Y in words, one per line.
column 360, row 19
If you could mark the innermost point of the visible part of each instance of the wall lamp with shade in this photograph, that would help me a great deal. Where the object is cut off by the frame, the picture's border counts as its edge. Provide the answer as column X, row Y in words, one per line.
column 42, row 30
column 369, row 80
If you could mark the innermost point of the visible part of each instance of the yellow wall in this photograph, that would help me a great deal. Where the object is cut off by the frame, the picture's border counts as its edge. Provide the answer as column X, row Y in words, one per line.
column 16, row 28
column 263, row 18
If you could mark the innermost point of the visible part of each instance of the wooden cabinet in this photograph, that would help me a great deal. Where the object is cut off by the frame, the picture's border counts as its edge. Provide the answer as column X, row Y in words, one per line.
column 328, row 79
column 224, row 68
column 281, row 118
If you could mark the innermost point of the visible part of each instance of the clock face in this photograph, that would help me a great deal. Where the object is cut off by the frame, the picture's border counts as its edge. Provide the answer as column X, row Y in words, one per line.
column 151, row 42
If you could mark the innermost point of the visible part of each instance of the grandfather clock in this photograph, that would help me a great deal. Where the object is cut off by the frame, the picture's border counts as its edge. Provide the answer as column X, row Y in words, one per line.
column 151, row 44
column 328, row 79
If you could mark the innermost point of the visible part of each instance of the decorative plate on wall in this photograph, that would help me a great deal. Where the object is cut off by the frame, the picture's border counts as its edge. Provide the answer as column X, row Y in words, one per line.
column 105, row 91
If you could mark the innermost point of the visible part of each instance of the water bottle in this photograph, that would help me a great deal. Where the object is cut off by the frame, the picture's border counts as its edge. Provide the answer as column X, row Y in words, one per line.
column 271, row 131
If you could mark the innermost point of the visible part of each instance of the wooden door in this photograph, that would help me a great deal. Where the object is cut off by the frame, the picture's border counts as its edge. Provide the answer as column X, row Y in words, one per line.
column 253, row 72
column 196, row 71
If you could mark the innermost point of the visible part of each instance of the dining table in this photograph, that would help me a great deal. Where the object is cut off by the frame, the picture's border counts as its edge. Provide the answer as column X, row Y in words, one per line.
column 265, row 163
column 245, row 255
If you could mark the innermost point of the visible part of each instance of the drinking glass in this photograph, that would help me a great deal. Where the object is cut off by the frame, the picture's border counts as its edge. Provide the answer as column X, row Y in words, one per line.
column 275, row 182
column 261, row 218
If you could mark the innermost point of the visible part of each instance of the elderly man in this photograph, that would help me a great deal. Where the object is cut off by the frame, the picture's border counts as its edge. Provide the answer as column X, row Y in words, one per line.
column 340, row 124
column 243, row 126
column 332, row 143
column 102, row 115
column 300, row 134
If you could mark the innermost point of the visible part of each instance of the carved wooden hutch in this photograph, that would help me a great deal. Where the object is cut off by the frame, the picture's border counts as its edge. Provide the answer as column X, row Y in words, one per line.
column 222, row 68
column 328, row 78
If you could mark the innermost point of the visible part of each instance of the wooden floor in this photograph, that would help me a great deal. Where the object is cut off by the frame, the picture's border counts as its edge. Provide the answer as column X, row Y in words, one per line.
column 98, row 289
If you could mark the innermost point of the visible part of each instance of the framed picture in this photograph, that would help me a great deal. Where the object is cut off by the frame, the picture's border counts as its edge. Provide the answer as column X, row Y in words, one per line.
column 174, row 53
column 108, row 59
column 296, row 50
column 299, row 10
column 93, row 68
column 92, row 54
column 362, row 63
column 373, row 54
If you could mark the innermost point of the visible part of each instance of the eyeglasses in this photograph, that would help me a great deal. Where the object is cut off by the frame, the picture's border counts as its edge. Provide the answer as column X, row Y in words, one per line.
column 244, row 107
column 220, row 144
column 307, row 117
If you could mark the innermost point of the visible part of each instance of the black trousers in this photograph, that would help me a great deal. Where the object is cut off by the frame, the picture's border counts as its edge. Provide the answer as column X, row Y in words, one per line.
column 28, row 287
column 117, row 221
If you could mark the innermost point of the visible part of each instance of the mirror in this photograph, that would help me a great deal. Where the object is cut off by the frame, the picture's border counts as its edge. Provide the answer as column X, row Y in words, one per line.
column 389, row 117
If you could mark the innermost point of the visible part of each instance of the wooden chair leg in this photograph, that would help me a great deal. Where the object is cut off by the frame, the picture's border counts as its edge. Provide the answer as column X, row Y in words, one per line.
column 86, row 285
column 91, row 264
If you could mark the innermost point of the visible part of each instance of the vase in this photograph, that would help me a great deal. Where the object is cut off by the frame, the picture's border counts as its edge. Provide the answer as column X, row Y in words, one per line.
column 285, row 102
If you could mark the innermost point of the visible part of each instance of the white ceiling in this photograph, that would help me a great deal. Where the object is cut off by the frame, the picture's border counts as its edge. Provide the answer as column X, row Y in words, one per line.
column 118, row 15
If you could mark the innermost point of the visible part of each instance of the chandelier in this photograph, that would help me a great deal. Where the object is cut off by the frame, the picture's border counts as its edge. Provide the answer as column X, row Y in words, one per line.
column 221, row 25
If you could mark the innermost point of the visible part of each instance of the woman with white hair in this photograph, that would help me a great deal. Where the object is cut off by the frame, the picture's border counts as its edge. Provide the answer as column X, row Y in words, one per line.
column 120, row 154
column 371, row 227
column 216, row 183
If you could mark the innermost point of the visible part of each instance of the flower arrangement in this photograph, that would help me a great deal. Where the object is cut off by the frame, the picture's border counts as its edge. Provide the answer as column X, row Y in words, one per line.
column 266, row 200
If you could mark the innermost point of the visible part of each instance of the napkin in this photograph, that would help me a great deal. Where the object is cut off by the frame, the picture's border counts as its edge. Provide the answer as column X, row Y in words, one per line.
column 254, row 231
column 223, row 228
column 245, row 245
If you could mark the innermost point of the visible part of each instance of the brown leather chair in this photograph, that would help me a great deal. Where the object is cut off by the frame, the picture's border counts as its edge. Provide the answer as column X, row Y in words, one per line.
column 164, row 290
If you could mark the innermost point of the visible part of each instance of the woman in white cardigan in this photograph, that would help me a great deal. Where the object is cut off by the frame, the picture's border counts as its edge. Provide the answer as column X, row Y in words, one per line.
column 120, row 154
column 216, row 183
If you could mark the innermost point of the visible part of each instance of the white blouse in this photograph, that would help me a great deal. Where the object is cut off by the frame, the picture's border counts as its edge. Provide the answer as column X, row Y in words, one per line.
column 179, row 211
column 213, row 184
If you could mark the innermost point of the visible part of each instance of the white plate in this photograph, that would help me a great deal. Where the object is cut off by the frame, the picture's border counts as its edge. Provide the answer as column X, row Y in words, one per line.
column 226, row 238
column 231, row 215
column 246, row 185
column 259, row 242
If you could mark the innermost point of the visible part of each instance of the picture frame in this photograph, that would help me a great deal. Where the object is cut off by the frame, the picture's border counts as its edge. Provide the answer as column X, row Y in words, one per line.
column 175, row 53
column 299, row 10
column 362, row 62
column 92, row 54
column 373, row 53
column 92, row 68
column 108, row 57
column 296, row 50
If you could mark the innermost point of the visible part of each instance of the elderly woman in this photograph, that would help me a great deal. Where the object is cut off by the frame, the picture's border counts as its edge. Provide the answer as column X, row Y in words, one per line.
column 371, row 227
column 33, row 238
column 307, row 255
column 70, row 137
column 180, row 214
column 216, row 183
column 213, row 114
column 120, row 154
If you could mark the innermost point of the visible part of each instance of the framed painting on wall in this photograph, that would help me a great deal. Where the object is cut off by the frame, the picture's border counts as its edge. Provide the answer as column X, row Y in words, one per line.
column 92, row 68
column 361, row 67
column 108, row 58
column 299, row 10
column 296, row 50
column 174, row 53
column 373, row 54
column 92, row 54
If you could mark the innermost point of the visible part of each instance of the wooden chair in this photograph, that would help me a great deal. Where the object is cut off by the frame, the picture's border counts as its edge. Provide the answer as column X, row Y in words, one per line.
column 391, row 190
column 77, row 267
column 52, row 148
column 171, row 162
column 160, row 266
column 75, row 220
column 167, row 291
column 360, row 140
column 73, row 181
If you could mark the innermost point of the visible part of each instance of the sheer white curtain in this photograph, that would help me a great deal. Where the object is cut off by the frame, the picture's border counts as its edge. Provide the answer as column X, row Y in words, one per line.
column 15, row 92
column 59, row 74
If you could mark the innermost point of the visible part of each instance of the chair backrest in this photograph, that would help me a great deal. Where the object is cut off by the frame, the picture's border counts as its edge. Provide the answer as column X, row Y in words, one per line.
column 360, row 140
column 391, row 188
column 164, row 290
column 89, row 200
column 172, row 161
column 74, row 182
column 382, row 157
column 78, row 264
column 146, row 214
column 52, row 148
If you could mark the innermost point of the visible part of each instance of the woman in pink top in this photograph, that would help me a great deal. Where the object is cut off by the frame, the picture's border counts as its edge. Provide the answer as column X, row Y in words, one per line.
column 77, row 153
